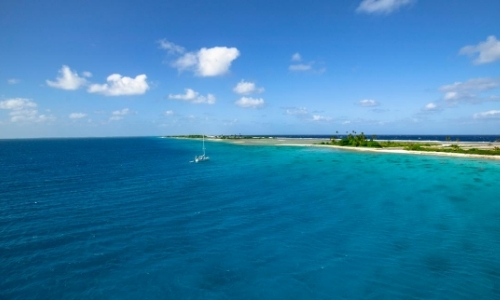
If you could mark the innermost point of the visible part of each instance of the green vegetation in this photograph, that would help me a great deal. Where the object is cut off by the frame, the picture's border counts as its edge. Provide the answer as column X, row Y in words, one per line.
column 454, row 149
column 360, row 140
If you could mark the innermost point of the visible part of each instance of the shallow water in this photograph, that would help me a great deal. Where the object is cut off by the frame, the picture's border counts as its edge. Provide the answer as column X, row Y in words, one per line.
column 130, row 218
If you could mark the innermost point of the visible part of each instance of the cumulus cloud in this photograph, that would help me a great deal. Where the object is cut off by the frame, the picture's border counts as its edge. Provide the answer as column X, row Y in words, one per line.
column 23, row 110
column 67, row 80
column 430, row 107
column 469, row 90
column 193, row 97
column 12, row 81
column 87, row 74
column 207, row 62
column 296, row 57
column 170, row 47
column 17, row 104
column 216, row 61
column 248, row 102
column 245, row 88
column 382, row 6
column 75, row 116
column 492, row 114
column 119, row 85
column 119, row 114
column 488, row 51
column 368, row 103
column 169, row 113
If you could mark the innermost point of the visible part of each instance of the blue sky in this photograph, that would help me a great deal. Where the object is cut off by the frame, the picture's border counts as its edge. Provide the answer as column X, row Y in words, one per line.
column 133, row 68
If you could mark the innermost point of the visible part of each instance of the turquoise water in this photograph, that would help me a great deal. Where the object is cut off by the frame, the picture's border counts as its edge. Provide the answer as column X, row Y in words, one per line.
column 131, row 218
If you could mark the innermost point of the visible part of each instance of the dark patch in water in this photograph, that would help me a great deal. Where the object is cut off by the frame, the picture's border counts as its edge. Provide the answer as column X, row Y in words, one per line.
column 217, row 278
column 477, row 179
column 439, row 186
column 443, row 226
column 388, row 204
column 401, row 245
column 437, row 263
column 457, row 199
column 468, row 245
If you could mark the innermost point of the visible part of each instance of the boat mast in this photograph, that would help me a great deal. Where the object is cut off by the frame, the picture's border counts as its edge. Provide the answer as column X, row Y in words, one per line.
column 203, row 145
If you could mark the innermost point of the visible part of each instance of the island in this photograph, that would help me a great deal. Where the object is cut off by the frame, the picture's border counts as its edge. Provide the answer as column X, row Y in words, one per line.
column 360, row 142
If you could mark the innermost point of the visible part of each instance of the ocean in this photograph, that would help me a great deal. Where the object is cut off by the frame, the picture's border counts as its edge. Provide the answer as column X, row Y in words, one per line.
column 132, row 218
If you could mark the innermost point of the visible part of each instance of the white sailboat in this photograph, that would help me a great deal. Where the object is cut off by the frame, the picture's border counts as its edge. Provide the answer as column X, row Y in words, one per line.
column 202, row 157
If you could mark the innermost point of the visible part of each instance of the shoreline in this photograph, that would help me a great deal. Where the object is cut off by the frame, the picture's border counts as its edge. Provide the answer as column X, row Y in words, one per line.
column 293, row 142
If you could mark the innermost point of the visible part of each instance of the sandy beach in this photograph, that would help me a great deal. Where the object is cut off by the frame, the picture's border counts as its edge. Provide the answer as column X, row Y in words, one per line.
column 303, row 142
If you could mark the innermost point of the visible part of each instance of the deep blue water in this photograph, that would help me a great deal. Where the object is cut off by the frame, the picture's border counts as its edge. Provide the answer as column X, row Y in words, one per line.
column 131, row 218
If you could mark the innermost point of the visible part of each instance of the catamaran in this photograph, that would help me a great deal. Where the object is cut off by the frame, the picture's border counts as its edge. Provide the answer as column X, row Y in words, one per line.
column 202, row 157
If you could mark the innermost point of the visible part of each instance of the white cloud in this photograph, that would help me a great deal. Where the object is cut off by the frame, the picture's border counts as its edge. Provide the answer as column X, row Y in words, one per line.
column 119, row 114
column 318, row 118
column 169, row 113
column 488, row 51
column 430, row 106
column 12, row 81
column 171, row 47
column 492, row 114
column 87, row 74
column 468, row 91
column 77, row 115
column 297, row 111
column 17, row 104
column 193, row 97
column 300, row 67
column 122, row 112
column 304, row 114
column 186, row 62
column 120, row 86
column 216, row 61
column 248, row 102
column 296, row 57
column 23, row 110
column 67, row 80
column 304, row 67
column 245, row 88
column 368, row 103
column 381, row 6
column 207, row 61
